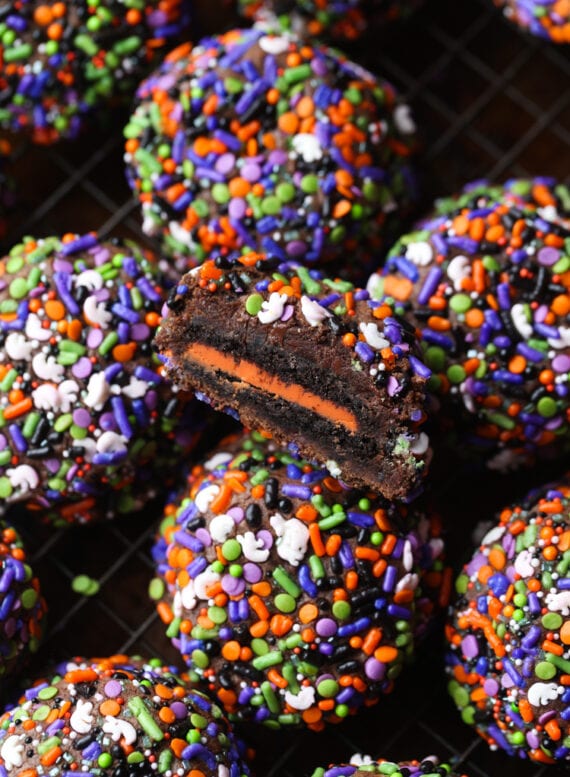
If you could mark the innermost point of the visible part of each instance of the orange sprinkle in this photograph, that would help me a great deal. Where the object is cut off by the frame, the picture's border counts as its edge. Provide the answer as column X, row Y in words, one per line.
column 49, row 758
column 288, row 123
column 525, row 710
column 124, row 352
column 262, row 589
column 333, row 544
column 386, row 654
column 316, row 540
column 231, row 650
column 308, row 613
column 110, row 707
column 259, row 629
column 553, row 729
column 307, row 513
column 177, row 746
column 258, row 606
column 497, row 558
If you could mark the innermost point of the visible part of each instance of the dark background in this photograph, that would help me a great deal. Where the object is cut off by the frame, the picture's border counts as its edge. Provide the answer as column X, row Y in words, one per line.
column 490, row 102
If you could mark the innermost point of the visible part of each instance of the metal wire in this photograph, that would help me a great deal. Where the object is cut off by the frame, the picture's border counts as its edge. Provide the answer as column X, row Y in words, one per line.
column 490, row 102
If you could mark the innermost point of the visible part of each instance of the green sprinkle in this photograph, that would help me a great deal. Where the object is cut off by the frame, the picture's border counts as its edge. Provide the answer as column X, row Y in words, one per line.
column 85, row 585
column 231, row 549
column 269, row 659
column 546, row 407
column 545, row 670
column 460, row 303
column 552, row 621
column 285, row 603
column 282, row 578
column 341, row 610
column 29, row 598
column 328, row 689
column 253, row 304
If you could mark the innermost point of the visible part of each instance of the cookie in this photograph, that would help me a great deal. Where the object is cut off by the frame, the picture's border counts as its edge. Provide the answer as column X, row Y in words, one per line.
column 362, row 766
column 268, row 142
column 295, row 598
column 331, row 20
column 22, row 607
column 485, row 281
column 311, row 360
column 61, row 60
column 117, row 716
column 87, row 415
column 548, row 19
column 509, row 631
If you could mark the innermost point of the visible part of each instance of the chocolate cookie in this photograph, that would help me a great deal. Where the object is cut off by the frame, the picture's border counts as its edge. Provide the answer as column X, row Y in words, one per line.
column 509, row 630
column 296, row 599
column 312, row 360
column 486, row 281
column 271, row 143
column 22, row 607
column 87, row 416
column 60, row 60
column 114, row 716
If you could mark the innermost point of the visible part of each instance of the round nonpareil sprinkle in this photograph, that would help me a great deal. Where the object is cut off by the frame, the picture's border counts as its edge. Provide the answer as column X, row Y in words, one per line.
column 486, row 281
column 117, row 716
column 509, row 630
column 267, row 142
column 86, row 417
column 294, row 598
column 60, row 59
column 22, row 607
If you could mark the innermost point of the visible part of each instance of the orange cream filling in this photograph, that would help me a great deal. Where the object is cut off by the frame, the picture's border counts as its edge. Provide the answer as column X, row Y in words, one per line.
column 255, row 376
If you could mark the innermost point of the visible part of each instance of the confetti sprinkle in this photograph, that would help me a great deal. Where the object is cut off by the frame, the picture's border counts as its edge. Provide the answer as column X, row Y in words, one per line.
column 294, row 598
column 117, row 715
column 22, row 607
column 486, row 281
column 509, row 630
column 266, row 142
column 86, row 417
column 61, row 60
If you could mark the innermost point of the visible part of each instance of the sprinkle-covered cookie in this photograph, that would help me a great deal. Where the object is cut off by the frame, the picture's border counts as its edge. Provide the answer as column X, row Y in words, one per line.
column 294, row 598
column 548, row 19
column 509, row 630
column 334, row 20
column 117, row 716
column 486, row 281
column 268, row 142
column 312, row 360
column 22, row 607
column 61, row 59
column 363, row 766
column 85, row 411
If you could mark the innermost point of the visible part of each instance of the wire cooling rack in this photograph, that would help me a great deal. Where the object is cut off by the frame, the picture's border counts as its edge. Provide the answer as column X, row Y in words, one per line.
column 490, row 102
